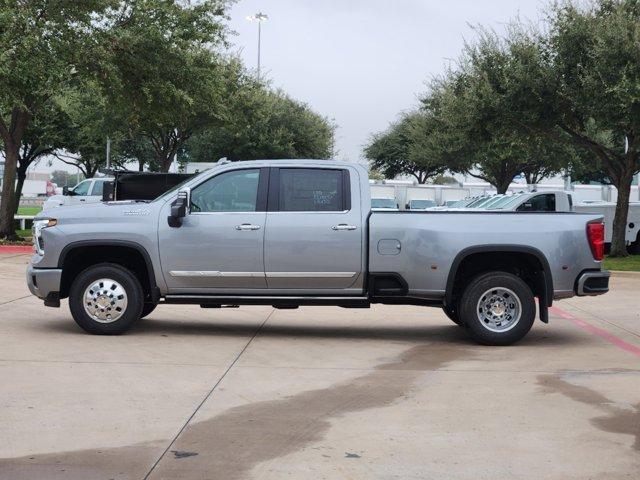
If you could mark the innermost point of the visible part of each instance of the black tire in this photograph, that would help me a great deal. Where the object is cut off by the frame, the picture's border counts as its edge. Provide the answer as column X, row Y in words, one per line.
column 505, row 285
column 133, row 296
column 147, row 309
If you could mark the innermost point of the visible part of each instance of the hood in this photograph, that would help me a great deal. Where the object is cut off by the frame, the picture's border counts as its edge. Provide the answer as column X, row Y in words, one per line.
column 125, row 208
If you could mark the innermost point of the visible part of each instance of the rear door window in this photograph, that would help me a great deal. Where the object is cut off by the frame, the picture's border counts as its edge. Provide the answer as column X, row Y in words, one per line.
column 312, row 190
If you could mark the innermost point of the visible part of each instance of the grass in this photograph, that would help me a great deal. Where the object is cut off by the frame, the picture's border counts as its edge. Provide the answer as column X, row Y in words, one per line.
column 29, row 210
column 24, row 233
column 626, row 264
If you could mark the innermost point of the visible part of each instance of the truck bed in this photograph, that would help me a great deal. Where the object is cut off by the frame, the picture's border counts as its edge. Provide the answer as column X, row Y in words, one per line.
column 423, row 247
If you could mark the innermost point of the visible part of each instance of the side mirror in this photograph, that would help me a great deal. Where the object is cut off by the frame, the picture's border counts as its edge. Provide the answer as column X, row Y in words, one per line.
column 65, row 190
column 407, row 207
column 179, row 208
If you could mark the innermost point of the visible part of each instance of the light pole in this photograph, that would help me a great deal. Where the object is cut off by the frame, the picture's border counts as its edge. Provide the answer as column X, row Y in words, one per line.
column 258, row 17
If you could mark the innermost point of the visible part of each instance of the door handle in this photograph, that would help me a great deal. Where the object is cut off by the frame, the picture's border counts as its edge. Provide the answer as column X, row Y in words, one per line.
column 247, row 226
column 343, row 226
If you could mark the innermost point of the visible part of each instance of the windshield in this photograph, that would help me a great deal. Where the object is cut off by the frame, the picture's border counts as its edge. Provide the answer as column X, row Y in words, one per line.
column 383, row 203
column 479, row 202
column 492, row 201
column 458, row 203
column 81, row 189
column 417, row 204
column 497, row 205
column 507, row 201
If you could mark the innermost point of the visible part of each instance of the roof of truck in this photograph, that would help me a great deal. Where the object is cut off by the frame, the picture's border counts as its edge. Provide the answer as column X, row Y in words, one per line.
column 297, row 161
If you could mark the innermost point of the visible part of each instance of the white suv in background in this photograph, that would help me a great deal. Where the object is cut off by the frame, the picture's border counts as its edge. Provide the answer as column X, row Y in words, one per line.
column 87, row 191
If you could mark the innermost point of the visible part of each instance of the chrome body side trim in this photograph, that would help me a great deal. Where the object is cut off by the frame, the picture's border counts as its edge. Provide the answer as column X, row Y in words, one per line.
column 217, row 273
column 213, row 273
column 310, row 274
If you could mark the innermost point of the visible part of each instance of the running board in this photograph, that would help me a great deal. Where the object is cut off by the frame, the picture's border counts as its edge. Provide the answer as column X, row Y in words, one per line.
column 288, row 301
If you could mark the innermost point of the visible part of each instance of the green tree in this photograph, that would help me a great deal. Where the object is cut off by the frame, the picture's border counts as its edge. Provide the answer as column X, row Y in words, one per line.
column 489, row 143
column 62, row 178
column 42, row 137
column 90, row 118
column 139, row 149
column 264, row 124
column 409, row 147
column 43, row 45
column 444, row 180
column 579, row 81
column 596, row 62
column 164, row 73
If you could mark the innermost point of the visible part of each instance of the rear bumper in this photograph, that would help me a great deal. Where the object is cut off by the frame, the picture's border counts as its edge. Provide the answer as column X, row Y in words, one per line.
column 592, row 282
column 44, row 283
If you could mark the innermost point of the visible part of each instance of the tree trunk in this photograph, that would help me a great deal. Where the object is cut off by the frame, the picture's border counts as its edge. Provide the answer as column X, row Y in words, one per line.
column 502, row 185
column 165, row 159
column 92, row 169
column 12, row 155
column 528, row 178
column 22, row 176
column 618, row 242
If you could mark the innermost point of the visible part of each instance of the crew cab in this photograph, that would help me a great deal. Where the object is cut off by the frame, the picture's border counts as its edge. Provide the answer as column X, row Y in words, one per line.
column 288, row 233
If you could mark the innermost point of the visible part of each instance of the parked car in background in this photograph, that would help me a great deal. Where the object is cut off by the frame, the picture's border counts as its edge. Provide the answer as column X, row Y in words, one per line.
column 551, row 201
column 382, row 204
column 608, row 211
column 559, row 201
column 87, row 191
column 294, row 232
column 421, row 204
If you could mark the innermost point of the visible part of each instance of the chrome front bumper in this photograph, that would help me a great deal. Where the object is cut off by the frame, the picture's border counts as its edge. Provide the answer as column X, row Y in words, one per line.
column 44, row 283
column 593, row 282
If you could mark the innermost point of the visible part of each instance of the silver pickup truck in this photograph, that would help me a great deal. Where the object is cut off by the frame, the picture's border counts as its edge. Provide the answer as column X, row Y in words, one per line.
column 289, row 232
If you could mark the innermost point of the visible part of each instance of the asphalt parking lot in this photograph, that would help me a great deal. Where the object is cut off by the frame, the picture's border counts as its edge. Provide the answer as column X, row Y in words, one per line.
column 319, row 392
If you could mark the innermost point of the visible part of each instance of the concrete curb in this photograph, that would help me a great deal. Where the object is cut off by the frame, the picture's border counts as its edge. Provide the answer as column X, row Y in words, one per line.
column 624, row 273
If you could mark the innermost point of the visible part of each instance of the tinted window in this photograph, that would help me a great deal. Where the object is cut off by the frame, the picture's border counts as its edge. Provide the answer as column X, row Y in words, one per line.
column 82, row 188
column 98, row 187
column 539, row 203
column 310, row 190
column 416, row 204
column 235, row 191
column 383, row 203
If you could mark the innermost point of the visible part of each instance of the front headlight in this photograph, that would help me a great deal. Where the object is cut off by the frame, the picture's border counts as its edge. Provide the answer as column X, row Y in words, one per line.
column 38, row 226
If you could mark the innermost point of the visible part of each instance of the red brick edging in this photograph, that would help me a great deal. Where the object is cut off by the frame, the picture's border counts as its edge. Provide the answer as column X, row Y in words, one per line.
column 16, row 249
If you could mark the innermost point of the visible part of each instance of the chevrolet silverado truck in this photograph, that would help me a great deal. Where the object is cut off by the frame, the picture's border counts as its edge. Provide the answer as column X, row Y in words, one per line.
column 288, row 233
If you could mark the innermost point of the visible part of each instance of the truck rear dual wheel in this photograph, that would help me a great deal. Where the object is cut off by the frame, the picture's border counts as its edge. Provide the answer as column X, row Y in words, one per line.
column 106, row 299
column 498, row 308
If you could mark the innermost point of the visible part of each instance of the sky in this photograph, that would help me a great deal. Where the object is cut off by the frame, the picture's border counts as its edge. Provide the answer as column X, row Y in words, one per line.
column 362, row 62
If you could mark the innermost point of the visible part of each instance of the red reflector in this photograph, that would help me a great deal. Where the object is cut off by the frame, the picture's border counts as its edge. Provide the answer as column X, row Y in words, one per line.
column 595, row 234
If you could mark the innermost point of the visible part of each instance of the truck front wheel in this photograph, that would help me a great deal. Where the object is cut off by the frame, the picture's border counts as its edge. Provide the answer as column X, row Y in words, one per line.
column 106, row 299
column 498, row 308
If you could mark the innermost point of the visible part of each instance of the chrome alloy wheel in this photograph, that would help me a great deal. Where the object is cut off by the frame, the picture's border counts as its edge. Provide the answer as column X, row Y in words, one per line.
column 499, row 309
column 105, row 300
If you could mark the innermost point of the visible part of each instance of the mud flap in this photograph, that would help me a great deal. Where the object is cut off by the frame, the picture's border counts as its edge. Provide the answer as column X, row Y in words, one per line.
column 544, row 310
